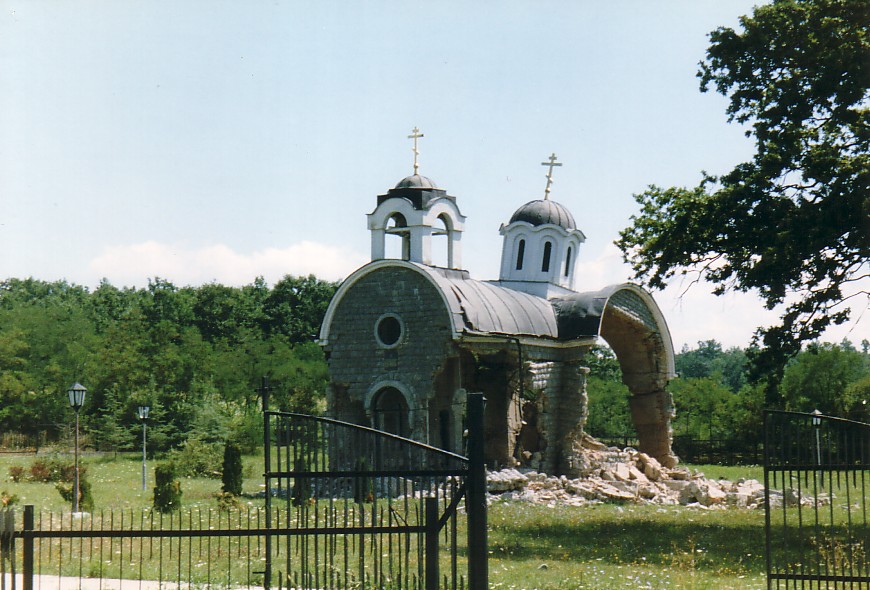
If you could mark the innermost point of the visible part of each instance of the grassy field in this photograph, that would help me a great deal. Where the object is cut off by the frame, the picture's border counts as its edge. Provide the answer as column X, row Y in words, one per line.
column 531, row 547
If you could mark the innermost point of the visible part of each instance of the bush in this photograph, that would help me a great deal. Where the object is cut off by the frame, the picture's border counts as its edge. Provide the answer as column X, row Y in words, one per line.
column 167, row 489
column 231, row 474
column 198, row 458
column 16, row 473
column 52, row 470
column 226, row 501
column 86, row 497
column 7, row 499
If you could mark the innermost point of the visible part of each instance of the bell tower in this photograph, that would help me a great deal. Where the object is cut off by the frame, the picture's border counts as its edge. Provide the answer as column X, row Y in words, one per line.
column 416, row 210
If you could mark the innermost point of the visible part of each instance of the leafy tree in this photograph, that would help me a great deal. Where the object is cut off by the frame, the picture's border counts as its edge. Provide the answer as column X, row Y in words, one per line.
column 609, row 413
column 708, row 360
column 792, row 223
column 856, row 399
column 819, row 377
column 296, row 306
column 602, row 363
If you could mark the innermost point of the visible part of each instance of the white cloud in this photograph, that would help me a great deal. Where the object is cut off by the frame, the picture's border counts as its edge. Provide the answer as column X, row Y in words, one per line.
column 134, row 264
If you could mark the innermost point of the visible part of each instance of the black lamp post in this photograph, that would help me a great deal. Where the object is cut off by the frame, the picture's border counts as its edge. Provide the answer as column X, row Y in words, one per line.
column 817, row 426
column 143, row 415
column 76, row 400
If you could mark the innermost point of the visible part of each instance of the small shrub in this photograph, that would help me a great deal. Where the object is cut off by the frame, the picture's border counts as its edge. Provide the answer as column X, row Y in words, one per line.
column 86, row 497
column 40, row 470
column 226, row 501
column 16, row 473
column 53, row 470
column 198, row 458
column 7, row 499
column 167, row 489
column 231, row 474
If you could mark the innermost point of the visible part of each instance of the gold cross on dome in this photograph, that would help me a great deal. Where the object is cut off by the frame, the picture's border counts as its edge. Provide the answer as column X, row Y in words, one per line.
column 552, row 163
column 415, row 135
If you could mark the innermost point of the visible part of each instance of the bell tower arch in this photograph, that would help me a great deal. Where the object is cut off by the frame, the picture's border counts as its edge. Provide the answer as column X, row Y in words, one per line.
column 417, row 210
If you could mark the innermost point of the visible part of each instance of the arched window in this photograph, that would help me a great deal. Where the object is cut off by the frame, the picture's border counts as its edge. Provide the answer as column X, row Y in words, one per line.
column 401, row 248
column 442, row 241
column 390, row 412
column 568, row 262
column 521, row 252
column 548, row 252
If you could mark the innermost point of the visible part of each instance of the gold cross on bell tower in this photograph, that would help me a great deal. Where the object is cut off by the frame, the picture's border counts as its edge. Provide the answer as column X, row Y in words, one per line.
column 552, row 163
column 415, row 135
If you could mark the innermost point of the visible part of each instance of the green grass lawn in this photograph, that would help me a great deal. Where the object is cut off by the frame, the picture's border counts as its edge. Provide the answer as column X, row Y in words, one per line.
column 531, row 546
column 607, row 546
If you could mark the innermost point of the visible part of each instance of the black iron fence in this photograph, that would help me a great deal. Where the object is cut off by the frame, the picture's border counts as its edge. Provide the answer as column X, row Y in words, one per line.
column 373, row 510
column 701, row 451
column 817, row 498
column 136, row 548
column 346, row 507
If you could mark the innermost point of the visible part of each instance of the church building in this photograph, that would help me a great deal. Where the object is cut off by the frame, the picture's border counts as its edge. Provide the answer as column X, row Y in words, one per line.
column 406, row 339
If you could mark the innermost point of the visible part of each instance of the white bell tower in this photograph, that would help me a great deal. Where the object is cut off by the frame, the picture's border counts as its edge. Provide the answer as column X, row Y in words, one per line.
column 416, row 210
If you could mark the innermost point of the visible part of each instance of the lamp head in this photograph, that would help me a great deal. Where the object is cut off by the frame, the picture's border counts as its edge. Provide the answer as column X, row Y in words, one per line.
column 77, row 395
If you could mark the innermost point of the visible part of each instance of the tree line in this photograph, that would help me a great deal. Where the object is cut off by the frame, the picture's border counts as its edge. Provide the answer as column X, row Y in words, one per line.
column 716, row 399
column 194, row 355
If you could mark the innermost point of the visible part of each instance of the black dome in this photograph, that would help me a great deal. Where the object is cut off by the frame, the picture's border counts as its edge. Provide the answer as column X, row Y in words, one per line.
column 416, row 181
column 544, row 211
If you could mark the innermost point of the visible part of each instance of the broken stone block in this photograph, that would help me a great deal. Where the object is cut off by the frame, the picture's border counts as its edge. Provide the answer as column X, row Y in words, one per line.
column 621, row 472
column 505, row 480
column 610, row 493
column 677, row 485
column 637, row 475
column 679, row 474
column 651, row 467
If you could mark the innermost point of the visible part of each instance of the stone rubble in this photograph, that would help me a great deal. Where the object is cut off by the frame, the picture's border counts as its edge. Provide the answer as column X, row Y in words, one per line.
column 609, row 474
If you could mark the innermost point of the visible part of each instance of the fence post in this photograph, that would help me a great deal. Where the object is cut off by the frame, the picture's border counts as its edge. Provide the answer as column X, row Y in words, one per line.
column 478, row 569
column 267, row 460
column 432, row 571
column 27, row 572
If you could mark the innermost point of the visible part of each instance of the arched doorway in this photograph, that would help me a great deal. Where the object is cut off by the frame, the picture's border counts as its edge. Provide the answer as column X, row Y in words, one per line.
column 390, row 412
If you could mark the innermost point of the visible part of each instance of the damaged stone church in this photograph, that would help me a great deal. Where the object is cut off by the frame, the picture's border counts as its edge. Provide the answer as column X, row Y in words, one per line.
column 406, row 339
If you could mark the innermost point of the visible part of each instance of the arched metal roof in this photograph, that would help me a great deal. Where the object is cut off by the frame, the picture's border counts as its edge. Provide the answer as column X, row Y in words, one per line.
column 484, row 308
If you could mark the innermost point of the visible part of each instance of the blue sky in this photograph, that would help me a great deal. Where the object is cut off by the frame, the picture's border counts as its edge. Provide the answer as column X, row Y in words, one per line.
column 222, row 140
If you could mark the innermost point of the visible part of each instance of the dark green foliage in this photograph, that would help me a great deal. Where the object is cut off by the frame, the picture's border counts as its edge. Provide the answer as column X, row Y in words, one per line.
column 709, row 361
column 167, row 489
column 820, row 378
column 198, row 458
column 195, row 355
column 231, row 474
column 792, row 223
column 86, row 497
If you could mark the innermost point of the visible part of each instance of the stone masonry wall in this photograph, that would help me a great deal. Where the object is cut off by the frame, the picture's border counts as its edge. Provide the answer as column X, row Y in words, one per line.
column 357, row 361
column 562, row 403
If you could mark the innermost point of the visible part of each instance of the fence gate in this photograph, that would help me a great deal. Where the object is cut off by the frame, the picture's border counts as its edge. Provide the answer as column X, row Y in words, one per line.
column 366, row 509
column 817, row 497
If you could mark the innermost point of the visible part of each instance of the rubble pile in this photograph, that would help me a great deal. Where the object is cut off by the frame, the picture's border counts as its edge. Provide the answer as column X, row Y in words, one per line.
column 608, row 474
